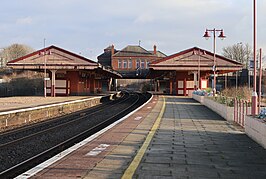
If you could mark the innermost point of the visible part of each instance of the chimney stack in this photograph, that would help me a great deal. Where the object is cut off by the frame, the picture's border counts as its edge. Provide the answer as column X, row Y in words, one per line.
column 113, row 50
column 154, row 50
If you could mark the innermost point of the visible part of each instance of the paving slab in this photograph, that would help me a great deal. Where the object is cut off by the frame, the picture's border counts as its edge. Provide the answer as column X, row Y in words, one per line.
column 194, row 142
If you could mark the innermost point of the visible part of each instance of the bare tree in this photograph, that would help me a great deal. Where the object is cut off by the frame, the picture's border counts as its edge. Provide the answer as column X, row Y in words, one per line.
column 238, row 52
column 13, row 51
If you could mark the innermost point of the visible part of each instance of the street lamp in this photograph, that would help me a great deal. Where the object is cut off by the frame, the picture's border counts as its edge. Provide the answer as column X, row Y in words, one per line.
column 199, row 53
column 207, row 36
column 254, row 100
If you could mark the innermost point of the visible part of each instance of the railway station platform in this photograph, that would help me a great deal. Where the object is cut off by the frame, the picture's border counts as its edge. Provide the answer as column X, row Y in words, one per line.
column 24, row 110
column 169, row 137
column 12, row 103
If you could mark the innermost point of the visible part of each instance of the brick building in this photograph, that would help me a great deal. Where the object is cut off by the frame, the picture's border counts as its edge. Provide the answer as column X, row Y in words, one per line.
column 131, row 62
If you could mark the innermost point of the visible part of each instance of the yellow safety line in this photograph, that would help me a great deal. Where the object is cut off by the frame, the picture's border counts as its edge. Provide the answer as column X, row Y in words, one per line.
column 136, row 161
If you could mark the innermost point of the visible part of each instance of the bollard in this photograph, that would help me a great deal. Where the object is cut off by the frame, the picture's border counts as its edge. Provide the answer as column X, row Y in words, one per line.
column 239, row 113
column 246, row 107
column 235, row 110
column 243, row 113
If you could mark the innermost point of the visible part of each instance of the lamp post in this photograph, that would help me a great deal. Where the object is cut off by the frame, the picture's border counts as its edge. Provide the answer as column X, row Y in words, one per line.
column 254, row 100
column 199, row 53
column 207, row 36
column 44, row 53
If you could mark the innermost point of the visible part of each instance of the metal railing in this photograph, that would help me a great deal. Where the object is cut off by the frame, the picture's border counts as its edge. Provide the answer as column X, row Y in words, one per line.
column 242, row 108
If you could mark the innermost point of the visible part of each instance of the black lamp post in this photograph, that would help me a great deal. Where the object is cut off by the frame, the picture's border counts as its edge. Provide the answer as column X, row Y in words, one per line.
column 207, row 36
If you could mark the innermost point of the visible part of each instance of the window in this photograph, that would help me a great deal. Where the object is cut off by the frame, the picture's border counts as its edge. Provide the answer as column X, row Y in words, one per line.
column 137, row 64
column 119, row 64
column 130, row 63
column 147, row 64
column 125, row 64
column 142, row 64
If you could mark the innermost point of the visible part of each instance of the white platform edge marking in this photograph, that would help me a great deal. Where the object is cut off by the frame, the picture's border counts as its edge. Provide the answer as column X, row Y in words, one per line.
column 97, row 150
column 138, row 118
column 61, row 155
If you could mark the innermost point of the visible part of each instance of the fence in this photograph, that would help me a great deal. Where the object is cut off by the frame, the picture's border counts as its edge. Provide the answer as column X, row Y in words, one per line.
column 22, row 87
column 241, row 110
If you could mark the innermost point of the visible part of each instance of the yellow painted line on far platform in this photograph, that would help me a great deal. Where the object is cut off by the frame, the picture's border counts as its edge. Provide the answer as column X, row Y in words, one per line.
column 136, row 161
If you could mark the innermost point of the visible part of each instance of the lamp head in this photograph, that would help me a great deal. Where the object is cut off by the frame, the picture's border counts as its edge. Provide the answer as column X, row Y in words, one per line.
column 222, row 36
column 206, row 35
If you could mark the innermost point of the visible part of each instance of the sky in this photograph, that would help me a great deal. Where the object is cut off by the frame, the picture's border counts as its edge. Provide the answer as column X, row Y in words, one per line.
column 86, row 27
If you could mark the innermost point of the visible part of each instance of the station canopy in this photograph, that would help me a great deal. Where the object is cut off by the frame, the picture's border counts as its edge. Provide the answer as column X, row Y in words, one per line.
column 55, row 58
column 194, row 58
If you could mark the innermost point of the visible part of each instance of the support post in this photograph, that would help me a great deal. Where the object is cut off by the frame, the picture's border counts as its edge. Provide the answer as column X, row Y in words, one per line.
column 260, row 79
column 53, row 83
column 195, row 80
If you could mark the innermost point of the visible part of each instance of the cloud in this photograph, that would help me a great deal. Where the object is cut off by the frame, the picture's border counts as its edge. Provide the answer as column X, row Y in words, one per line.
column 24, row 21
column 171, row 24
column 144, row 18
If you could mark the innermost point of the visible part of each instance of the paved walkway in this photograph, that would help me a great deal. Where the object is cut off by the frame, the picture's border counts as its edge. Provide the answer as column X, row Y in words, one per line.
column 194, row 142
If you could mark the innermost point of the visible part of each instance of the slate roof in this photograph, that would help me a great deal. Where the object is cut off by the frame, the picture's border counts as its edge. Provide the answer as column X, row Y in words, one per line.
column 132, row 51
column 159, row 54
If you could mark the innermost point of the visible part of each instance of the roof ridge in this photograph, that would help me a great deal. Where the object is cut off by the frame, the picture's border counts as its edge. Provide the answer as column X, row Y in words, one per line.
column 133, row 49
column 52, row 47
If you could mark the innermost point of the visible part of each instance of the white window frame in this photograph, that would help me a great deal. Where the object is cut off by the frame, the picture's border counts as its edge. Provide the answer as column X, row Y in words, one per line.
column 130, row 63
column 142, row 64
column 137, row 64
column 119, row 64
column 124, row 63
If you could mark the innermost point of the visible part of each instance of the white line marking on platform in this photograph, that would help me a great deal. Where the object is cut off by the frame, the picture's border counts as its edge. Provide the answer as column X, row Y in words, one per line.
column 97, row 150
column 138, row 118
column 61, row 155
column 149, row 107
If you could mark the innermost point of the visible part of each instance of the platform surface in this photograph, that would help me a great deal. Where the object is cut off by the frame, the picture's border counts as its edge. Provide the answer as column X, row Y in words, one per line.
column 190, row 141
column 12, row 103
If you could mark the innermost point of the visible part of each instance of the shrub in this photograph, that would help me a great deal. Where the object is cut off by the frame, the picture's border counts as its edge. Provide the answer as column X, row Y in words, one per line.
column 239, row 93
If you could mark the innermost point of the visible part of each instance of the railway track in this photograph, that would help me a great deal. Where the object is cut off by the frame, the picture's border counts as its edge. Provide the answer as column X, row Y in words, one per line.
column 26, row 147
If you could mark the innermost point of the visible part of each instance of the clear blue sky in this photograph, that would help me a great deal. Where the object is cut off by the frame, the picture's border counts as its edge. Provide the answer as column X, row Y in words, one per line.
column 88, row 26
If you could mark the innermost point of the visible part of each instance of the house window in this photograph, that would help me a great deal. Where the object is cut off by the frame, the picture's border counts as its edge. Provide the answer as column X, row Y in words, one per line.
column 130, row 63
column 125, row 64
column 142, row 64
column 147, row 64
column 137, row 64
column 119, row 64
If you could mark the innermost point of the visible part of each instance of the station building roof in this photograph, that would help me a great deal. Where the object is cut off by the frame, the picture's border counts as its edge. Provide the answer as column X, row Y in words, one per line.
column 193, row 58
column 55, row 58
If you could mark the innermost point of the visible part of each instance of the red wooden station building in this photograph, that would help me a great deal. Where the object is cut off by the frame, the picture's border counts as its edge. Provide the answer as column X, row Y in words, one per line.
column 185, row 71
column 66, row 73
